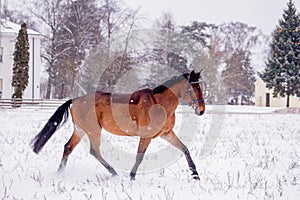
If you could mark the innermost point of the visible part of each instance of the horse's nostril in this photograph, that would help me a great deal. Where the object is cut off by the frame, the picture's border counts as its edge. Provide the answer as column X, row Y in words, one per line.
column 199, row 112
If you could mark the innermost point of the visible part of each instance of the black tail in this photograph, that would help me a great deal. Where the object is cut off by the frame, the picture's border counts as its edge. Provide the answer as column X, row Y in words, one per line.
column 57, row 119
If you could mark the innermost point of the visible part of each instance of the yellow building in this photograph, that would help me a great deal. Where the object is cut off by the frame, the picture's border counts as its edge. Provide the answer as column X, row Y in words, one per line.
column 264, row 97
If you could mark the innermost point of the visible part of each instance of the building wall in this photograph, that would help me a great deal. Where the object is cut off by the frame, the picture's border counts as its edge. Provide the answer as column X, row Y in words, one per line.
column 261, row 97
column 33, row 89
column 8, row 45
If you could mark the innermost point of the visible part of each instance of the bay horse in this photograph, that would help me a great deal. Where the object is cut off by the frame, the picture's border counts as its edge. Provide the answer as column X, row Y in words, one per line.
column 146, row 113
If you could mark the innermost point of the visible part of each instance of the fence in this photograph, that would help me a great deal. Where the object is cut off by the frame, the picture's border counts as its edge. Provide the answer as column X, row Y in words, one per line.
column 31, row 103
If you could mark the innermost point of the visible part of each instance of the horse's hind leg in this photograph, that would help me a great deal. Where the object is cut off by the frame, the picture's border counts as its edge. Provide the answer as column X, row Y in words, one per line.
column 174, row 140
column 68, row 148
column 95, row 151
column 143, row 145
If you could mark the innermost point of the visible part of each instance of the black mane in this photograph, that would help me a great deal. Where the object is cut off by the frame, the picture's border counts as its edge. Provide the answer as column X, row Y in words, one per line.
column 169, row 83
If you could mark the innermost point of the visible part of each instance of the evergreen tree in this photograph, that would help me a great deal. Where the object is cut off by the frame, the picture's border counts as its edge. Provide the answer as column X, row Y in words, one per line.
column 20, row 66
column 282, row 72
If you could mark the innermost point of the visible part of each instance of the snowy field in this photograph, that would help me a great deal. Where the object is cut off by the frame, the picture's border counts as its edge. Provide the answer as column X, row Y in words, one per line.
column 256, row 156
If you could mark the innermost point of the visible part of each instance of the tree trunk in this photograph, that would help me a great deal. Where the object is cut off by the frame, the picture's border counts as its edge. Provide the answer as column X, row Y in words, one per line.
column 288, row 101
column 49, row 86
column 62, row 91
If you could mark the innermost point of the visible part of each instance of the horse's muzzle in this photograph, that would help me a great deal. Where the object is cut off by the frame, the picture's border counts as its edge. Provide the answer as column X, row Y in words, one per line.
column 197, row 112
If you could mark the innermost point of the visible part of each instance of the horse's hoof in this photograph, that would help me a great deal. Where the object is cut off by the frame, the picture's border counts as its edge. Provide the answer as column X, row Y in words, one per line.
column 60, row 169
column 114, row 174
column 196, row 177
column 132, row 177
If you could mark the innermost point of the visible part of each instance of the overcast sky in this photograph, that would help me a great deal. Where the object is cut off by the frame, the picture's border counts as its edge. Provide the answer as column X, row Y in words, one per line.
column 263, row 14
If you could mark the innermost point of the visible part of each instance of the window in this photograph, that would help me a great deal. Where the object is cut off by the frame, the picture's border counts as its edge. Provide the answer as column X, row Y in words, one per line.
column 1, row 54
column 267, row 99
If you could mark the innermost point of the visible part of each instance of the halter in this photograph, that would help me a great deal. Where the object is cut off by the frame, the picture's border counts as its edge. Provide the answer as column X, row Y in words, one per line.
column 189, row 91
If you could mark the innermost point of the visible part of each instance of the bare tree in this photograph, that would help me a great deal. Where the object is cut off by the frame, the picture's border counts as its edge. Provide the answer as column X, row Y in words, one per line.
column 115, row 20
column 79, row 34
column 116, row 24
column 166, row 21
column 18, row 16
column 237, row 36
column 229, row 48
column 72, row 29
column 49, row 14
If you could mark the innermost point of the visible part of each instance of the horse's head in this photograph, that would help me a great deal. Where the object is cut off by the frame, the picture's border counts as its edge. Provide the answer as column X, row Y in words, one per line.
column 193, row 93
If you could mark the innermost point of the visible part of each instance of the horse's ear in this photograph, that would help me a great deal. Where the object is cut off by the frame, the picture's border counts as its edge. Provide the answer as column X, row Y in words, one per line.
column 199, row 73
column 192, row 74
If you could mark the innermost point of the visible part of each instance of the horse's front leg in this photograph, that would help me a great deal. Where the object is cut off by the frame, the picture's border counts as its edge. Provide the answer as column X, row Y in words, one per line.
column 143, row 145
column 174, row 140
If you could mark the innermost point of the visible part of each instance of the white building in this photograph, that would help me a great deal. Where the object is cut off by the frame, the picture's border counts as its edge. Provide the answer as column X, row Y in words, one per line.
column 264, row 97
column 8, row 34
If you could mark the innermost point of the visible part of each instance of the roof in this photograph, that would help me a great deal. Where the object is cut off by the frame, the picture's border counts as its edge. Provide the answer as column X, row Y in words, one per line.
column 13, row 28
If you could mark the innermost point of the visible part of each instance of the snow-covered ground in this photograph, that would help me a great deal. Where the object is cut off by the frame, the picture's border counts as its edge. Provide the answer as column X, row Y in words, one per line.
column 256, row 156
